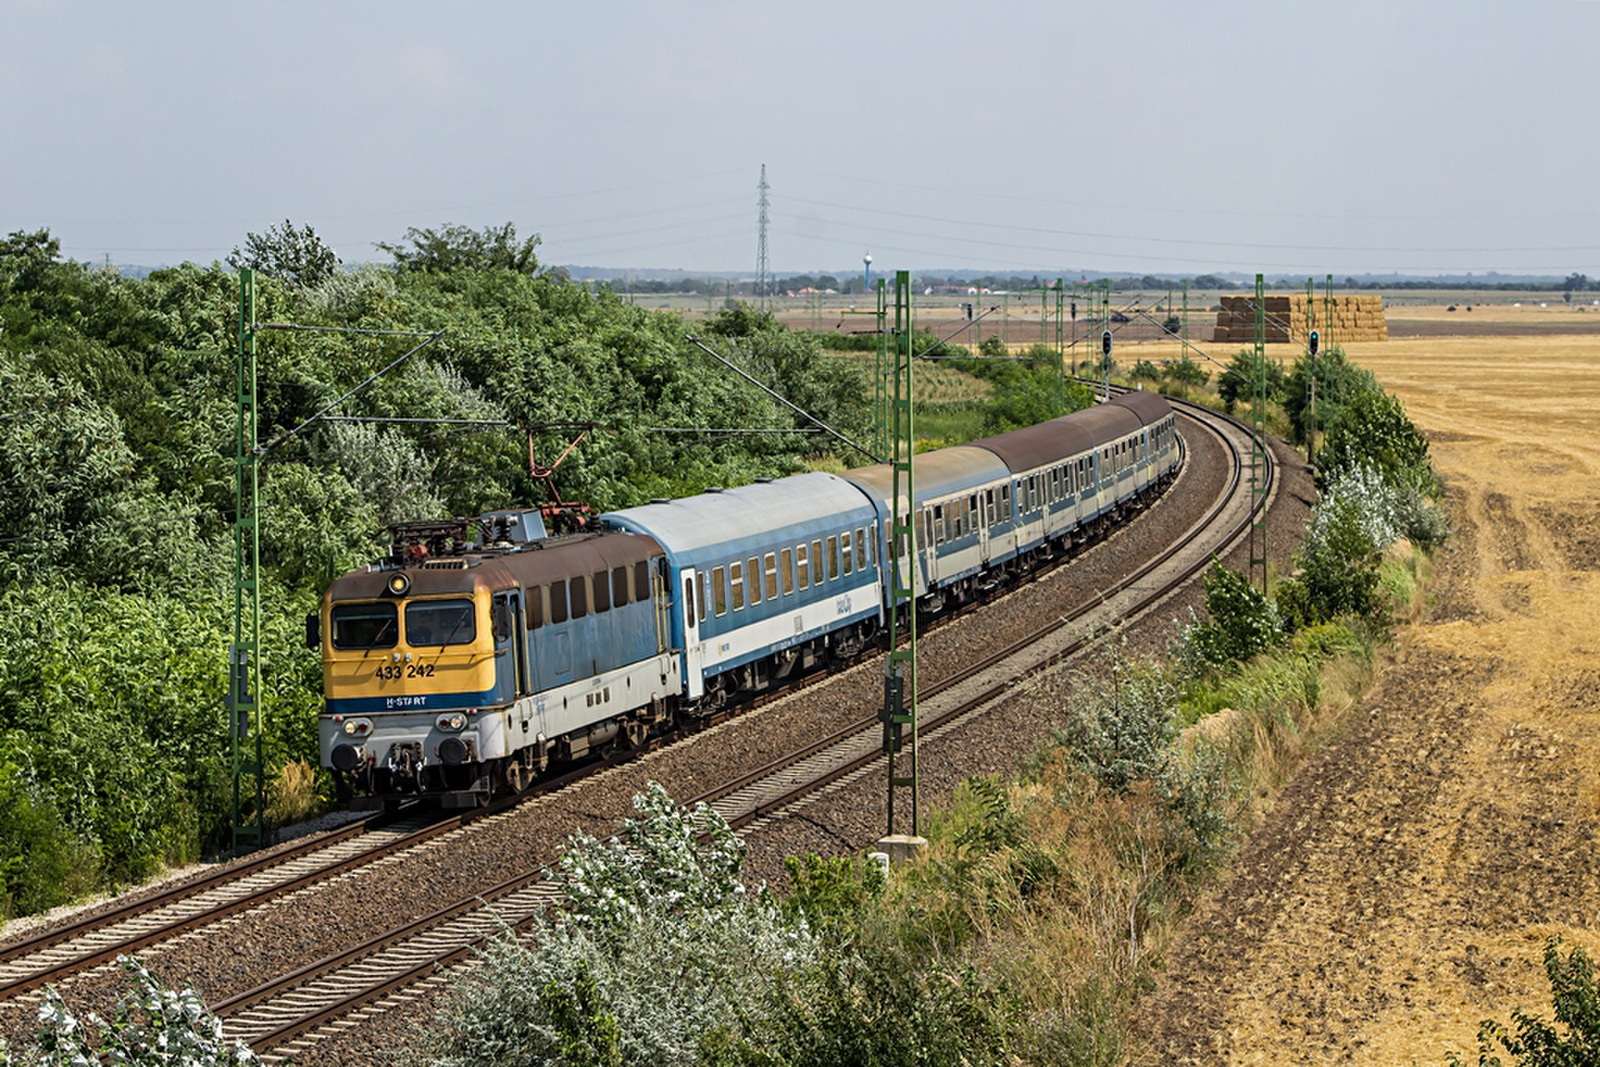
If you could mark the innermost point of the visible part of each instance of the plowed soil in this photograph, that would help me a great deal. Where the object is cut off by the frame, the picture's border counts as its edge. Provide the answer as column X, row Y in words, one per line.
column 1405, row 882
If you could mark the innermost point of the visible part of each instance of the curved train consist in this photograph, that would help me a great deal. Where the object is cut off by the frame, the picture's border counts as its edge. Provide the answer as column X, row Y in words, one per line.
column 480, row 652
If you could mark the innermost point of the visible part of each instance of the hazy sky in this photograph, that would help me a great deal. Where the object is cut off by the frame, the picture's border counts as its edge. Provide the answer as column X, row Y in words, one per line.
column 1174, row 138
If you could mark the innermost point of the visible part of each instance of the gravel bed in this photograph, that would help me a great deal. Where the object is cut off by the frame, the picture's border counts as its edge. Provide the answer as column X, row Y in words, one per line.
column 236, row 955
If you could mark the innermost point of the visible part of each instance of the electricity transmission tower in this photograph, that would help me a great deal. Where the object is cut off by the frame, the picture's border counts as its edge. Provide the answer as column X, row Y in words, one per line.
column 763, row 271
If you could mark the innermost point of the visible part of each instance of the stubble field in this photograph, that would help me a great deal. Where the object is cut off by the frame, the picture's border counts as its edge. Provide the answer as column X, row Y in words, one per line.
column 1405, row 883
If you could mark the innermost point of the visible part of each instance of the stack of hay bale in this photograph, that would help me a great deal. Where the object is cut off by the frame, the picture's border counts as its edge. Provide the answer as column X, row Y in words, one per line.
column 1355, row 318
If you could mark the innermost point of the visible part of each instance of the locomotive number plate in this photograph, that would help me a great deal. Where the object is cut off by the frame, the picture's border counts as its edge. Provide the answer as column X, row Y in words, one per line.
column 404, row 670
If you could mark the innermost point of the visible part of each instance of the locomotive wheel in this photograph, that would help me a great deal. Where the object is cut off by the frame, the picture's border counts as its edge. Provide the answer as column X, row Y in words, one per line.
column 517, row 777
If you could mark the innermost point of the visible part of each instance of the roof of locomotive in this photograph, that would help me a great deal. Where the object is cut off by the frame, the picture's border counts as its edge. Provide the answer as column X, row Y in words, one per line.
column 936, row 474
column 730, row 521
column 532, row 564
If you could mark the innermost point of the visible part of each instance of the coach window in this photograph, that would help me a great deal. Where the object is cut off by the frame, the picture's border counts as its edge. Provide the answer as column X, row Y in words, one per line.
column 753, row 569
column 641, row 581
column 802, row 563
column 787, row 556
column 702, row 596
column 988, row 506
column 558, row 601
column 719, row 592
column 816, row 563
column 772, row 575
column 845, row 555
column 833, row 558
column 601, row 584
column 736, row 580
column 619, row 587
column 534, row 597
column 936, row 525
column 578, row 589
column 1005, row 502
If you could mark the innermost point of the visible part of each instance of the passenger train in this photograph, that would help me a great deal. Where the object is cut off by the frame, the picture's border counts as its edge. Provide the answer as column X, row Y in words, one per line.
column 480, row 652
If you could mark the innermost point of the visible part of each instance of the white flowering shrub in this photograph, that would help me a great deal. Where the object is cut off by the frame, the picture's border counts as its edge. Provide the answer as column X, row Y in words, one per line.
column 1361, row 495
column 156, row 1025
column 655, row 945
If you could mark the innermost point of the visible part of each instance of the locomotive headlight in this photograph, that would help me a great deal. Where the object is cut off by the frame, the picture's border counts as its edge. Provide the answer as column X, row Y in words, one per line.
column 453, row 722
column 399, row 583
column 358, row 727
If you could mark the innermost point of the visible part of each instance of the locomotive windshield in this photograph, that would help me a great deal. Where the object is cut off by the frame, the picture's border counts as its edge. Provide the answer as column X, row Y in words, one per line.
column 440, row 622
column 360, row 626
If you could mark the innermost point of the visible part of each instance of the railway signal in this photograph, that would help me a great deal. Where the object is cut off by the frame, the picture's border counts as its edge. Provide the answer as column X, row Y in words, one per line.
column 1105, row 360
column 1313, row 343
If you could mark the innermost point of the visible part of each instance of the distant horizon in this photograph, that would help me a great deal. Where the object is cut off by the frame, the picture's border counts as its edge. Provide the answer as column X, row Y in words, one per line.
column 591, row 272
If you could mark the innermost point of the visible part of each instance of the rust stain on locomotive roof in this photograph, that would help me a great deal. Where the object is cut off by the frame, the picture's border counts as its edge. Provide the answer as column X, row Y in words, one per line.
column 544, row 561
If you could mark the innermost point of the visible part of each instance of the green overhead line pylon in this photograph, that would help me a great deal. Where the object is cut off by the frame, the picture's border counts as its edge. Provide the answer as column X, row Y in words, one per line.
column 244, row 655
column 881, row 415
column 899, row 713
column 1258, row 445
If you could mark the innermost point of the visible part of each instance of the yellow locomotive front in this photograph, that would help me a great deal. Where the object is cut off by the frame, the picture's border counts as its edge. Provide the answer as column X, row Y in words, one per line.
column 408, row 665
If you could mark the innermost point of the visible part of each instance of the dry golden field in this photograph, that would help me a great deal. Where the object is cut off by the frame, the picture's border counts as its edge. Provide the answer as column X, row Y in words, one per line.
column 1405, row 884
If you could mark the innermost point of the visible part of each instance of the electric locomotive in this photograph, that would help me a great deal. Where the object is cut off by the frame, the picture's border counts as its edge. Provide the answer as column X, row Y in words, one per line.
column 479, row 651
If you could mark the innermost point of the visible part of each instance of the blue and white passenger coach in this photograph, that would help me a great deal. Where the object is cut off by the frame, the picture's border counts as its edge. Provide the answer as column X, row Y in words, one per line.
column 767, row 579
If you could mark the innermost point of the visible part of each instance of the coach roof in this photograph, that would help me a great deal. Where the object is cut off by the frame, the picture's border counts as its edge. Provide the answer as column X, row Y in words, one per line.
column 762, row 513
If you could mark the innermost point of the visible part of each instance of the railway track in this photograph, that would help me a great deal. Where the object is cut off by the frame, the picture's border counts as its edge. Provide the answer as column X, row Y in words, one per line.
column 92, row 943
column 290, row 1015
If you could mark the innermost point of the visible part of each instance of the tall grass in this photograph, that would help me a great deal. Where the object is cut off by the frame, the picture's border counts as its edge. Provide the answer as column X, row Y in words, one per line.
column 1062, row 888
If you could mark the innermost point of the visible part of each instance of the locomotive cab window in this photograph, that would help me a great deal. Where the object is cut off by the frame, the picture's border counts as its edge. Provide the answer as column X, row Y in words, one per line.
column 440, row 622
column 358, row 626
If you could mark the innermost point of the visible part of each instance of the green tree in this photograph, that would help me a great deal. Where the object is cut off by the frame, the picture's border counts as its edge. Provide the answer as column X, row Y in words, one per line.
column 1239, row 380
column 1339, row 381
column 294, row 255
column 452, row 247
column 1186, row 371
column 1372, row 429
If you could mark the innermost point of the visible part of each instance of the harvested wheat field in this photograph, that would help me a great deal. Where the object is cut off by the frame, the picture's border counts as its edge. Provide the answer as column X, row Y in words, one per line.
column 1405, row 882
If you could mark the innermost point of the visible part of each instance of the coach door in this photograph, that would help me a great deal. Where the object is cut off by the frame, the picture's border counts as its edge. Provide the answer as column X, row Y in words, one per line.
column 693, row 658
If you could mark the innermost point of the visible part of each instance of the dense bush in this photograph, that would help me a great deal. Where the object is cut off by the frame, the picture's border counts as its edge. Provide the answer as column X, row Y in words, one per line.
column 1241, row 622
column 1533, row 1042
